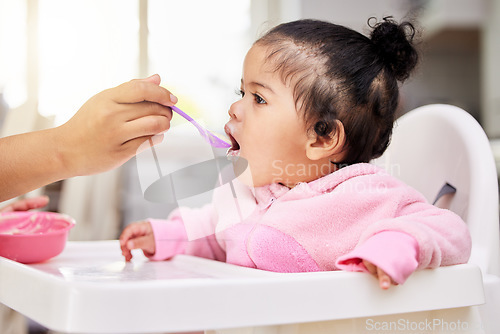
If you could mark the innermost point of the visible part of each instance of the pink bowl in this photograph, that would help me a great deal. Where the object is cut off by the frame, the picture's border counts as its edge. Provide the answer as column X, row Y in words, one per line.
column 30, row 237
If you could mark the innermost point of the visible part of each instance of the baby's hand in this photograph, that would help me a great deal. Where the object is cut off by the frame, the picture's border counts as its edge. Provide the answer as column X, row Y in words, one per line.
column 384, row 280
column 138, row 235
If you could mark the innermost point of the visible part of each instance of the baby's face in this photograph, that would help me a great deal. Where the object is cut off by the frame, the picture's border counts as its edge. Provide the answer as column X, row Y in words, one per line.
column 266, row 129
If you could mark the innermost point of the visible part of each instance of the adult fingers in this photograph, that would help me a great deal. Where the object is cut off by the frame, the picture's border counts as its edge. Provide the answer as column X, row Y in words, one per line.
column 139, row 90
column 27, row 204
column 139, row 145
column 133, row 111
column 144, row 127
column 155, row 78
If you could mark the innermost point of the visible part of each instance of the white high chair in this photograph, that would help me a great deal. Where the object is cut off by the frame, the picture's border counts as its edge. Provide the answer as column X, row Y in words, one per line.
column 89, row 289
column 438, row 144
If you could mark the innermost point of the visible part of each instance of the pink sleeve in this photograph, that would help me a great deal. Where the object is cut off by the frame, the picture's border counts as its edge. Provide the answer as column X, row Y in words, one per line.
column 442, row 236
column 170, row 238
column 187, row 231
column 393, row 252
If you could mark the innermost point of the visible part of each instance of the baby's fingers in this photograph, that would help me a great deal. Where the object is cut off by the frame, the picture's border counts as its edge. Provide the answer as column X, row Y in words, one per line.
column 134, row 230
column 371, row 268
column 126, row 253
column 145, row 243
column 384, row 280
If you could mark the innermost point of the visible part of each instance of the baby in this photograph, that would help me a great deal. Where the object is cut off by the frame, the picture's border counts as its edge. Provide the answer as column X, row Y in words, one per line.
column 318, row 102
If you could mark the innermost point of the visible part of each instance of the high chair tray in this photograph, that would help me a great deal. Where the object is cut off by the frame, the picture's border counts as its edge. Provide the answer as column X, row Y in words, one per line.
column 89, row 288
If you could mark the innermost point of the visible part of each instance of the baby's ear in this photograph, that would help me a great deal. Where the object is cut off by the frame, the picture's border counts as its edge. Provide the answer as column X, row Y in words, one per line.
column 331, row 146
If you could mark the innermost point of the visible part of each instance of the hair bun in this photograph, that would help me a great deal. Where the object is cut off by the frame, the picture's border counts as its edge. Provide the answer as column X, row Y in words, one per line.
column 394, row 44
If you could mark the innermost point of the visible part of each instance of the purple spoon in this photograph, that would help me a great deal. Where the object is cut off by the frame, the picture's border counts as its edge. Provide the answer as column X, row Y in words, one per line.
column 209, row 136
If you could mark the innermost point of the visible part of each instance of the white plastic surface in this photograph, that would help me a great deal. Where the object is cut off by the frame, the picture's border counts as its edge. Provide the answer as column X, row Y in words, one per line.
column 440, row 143
column 90, row 289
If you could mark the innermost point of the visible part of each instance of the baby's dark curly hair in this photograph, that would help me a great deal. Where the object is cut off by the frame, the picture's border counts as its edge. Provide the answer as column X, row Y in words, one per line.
column 339, row 74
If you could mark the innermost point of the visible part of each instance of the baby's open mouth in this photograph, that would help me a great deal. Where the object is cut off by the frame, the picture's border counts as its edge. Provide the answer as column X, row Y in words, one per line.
column 235, row 146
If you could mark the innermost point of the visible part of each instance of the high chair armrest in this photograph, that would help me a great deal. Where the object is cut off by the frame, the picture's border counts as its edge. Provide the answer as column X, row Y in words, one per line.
column 90, row 289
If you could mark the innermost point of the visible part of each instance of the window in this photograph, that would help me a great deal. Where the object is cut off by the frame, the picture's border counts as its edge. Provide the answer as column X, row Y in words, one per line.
column 85, row 46
column 13, row 51
column 198, row 48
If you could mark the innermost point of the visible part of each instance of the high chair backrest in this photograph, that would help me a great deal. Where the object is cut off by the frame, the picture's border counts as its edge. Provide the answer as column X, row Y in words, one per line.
column 438, row 144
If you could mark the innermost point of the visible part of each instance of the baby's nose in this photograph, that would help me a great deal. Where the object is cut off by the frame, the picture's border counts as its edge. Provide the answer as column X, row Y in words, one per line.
column 234, row 111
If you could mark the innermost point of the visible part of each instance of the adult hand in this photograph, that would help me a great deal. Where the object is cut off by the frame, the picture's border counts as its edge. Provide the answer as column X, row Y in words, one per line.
column 109, row 128
column 106, row 132
column 26, row 204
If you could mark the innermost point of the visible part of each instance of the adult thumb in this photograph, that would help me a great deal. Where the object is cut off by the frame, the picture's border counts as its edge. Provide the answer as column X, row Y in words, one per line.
column 155, row 78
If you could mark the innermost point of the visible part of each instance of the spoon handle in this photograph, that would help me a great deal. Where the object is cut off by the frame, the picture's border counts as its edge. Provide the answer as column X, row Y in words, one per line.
column 182, row 113
column 209, row 137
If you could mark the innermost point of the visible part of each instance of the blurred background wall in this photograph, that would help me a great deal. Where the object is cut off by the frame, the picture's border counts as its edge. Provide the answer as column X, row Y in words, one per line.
column 55, row 54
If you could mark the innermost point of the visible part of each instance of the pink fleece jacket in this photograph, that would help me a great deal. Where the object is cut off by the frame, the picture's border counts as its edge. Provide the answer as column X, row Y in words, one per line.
column 358, row 212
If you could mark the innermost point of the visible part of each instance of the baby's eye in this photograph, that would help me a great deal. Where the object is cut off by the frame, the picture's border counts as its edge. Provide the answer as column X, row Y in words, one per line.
column 240, row 92
column 259, row 99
